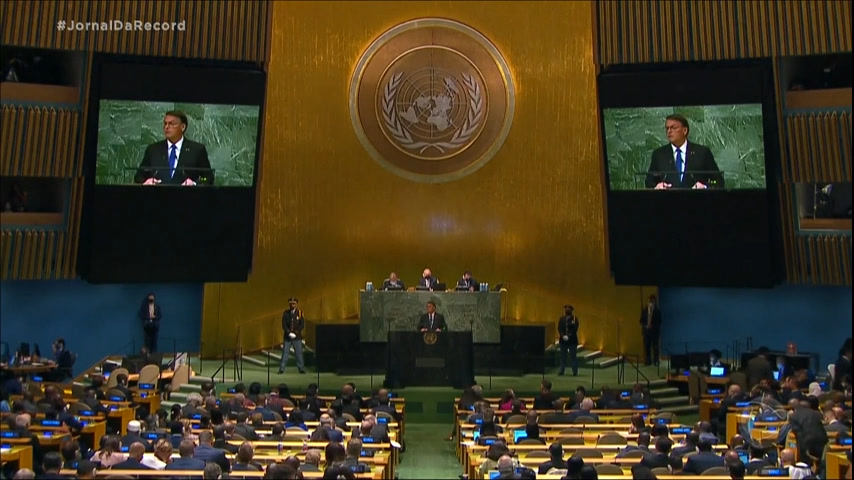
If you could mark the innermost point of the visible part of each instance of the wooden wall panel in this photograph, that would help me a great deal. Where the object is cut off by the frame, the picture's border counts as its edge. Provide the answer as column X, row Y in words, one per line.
column 38, row 141
column 719, row 29
column 818, row 147
column 213, row 29
column 32, row 255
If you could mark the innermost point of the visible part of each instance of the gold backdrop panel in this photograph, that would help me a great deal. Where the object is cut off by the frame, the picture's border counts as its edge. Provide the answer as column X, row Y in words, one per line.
column 331, row 218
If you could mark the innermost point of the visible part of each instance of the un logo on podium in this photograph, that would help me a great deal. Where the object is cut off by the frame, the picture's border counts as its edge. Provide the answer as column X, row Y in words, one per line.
column 430, row 338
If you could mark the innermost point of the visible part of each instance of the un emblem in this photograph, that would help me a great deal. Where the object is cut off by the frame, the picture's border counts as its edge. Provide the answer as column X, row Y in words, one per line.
column 432, row 100
column 430, row 338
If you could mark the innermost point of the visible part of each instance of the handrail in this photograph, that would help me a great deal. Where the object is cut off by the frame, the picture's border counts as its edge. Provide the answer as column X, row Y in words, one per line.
column 225, row 359
column 638, row 373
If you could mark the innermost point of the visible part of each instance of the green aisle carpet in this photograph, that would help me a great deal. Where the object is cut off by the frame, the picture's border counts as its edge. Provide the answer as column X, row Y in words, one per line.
column 429, row 454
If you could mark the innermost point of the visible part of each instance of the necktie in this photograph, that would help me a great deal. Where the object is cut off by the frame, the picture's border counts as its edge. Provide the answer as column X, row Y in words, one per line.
column 431, row 322
column 680, row 163
column 173, row 161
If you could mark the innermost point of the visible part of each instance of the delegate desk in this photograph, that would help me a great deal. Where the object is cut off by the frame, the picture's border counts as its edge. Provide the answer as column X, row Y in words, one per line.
column 22, row 454
column 477, row 312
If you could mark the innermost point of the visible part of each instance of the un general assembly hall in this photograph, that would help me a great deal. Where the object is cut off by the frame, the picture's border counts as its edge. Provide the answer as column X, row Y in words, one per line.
column 474, row 240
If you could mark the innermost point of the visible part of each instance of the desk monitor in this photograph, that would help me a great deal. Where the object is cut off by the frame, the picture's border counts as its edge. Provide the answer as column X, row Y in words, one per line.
column 774, row 472
column 744, row 457
column 717, row 371
column 421, row 288
column 494, row 475
column 681, row 430
column 522, row 434
column 777, row 374
column 440, row 287
column 475, row 435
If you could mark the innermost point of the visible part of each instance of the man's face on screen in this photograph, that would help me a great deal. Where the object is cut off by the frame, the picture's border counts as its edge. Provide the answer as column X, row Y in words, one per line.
column 676, row 132
column 173, row 128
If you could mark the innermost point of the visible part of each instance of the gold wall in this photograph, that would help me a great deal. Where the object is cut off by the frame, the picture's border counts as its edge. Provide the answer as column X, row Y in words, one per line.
column 330, row 218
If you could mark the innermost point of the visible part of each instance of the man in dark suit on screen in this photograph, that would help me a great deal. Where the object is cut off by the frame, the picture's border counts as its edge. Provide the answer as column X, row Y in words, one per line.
column 432, row 321
column 680, row 163
column 176, row 160
column 651, row 328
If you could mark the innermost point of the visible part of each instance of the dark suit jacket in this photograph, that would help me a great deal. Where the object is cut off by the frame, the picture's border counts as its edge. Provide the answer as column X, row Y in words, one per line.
column 143, row 316
column 187, row 464
column 130, row 464
column 581, row 413
column 209, row 454
column 430, row 282
column 809, row 429
column 293, row 324
column 754, row 466
column 246, row 432
column 700, row 462
column 656, row 320
column 438, row 322
column 758, row 368
column 388, row 286
column 842, row 368
column 837, row 427
column 700, row 166
column 155, row 163
column 470, row 283
column 131, row 438
column 655, row 460
column 544, row 401
column 568, row 328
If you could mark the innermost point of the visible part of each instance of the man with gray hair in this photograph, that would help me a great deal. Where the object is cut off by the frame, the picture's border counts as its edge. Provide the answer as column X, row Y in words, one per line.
column 312, row 461
column 194, row 402
column 586, row 406
column 506, row 470
column 22, row 427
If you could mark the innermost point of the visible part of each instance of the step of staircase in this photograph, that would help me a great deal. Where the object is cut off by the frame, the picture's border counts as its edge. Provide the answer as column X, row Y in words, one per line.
column 254, row 360
column 199, row 380
column 167, row 404
column 663, row 391
column 659, row 382
column 277, row 356
column 591, row 355
column 667, row 401
column 607, row 362
column 179, row 397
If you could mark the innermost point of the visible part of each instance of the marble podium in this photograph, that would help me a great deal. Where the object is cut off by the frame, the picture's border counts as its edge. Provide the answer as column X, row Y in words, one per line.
column 381, row 312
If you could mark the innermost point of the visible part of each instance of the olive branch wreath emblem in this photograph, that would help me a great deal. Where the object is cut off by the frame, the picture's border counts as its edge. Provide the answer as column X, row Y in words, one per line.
column 461, row 136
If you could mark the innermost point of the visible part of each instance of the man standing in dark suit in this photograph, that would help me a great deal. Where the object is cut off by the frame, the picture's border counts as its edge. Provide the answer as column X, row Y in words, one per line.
column 842, row 367
column 150, row 315
column 428, row 280
column 176, row 160
column 567, row 330
column 809, row 431
column 759, row 368
column 650, row 321
column 293, row 324
column 467, row 283
column 432, row 321
column 682, row 164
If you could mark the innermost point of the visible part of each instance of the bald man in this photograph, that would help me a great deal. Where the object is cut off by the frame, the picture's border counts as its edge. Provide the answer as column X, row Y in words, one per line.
column 428, row 280
column 834, row 418
column 506, row 470
column 796, row 469
column 134, row 461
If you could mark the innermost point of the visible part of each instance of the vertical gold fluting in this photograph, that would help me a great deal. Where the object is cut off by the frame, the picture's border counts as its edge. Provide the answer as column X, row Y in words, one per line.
column 330, row 218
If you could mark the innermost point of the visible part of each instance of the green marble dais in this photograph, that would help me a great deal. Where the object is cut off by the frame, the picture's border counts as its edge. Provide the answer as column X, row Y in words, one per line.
column 463, row 311
column 733, row 133
column 126, row 128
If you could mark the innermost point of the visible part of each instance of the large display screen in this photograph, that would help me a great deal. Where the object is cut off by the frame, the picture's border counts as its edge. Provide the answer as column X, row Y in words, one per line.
column 170, row 162
column 720, row 147
column 689, row 149
column 217, row 143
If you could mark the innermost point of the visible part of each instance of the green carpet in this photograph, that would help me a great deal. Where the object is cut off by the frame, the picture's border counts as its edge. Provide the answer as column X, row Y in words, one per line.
column 423, row 404
column 429, row 454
